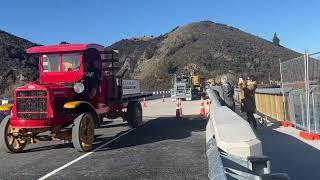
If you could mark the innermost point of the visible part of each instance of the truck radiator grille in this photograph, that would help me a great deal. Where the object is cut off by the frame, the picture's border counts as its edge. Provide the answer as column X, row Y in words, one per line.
column 32, row 115
column 31, row 104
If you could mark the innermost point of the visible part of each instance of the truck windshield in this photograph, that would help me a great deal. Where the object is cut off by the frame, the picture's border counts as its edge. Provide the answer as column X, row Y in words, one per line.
column 51, row 63
column 70, row 62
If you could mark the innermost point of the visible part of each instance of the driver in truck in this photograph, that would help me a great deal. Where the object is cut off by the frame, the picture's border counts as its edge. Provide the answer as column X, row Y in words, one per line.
column 67, row 66
column 93, row 77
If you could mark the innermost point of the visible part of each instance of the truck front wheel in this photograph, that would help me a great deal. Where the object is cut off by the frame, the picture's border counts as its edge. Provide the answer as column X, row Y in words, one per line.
column 83, row 132
column 9, row 142
column 134, row 114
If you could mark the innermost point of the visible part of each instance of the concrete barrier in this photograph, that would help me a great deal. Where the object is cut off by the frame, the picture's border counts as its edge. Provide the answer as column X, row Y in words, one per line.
column 232, row 133
column 233, row 150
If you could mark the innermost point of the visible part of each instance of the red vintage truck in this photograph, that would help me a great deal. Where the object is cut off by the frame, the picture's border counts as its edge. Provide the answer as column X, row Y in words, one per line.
column 78, row 85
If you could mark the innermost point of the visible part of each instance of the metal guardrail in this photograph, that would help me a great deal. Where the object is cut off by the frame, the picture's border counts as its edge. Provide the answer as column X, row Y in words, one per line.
column 223, row 165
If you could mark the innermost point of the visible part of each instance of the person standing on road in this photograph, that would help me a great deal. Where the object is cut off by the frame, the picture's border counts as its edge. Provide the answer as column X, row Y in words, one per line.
column 227, row 93
column 248, row 88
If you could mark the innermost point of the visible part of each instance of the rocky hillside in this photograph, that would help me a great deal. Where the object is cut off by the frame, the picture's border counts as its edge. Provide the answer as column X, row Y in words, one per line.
column 206, row 48
column 14, row 68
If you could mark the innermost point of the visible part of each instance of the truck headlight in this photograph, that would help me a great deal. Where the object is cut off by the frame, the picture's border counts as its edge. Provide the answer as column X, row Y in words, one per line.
column 78, row 87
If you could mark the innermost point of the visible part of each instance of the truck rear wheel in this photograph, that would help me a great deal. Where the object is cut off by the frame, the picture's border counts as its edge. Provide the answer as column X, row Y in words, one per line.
column 8, row 142
column 83, row 132
column 134, row 114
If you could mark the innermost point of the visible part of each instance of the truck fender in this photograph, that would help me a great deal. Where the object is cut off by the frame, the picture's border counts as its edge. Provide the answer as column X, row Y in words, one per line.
column 6, row 107
column 83, row 106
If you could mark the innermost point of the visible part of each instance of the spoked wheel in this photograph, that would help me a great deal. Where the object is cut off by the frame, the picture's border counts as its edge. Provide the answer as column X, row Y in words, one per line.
column 134, row 114
column 83, row 132
column 8, row 142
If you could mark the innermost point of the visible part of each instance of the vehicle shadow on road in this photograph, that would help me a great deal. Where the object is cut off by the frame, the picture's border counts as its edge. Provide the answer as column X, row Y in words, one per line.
column 160, row 129
column 50, row 147
column 104, row 125
column 61, row 145
column 99, row 139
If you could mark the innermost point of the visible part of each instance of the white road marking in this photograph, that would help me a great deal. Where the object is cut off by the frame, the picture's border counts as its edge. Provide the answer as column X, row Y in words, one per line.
column 83, row 156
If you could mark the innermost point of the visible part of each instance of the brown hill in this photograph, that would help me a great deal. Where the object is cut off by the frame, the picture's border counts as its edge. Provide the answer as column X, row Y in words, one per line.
column 207, row 48
column 14, row 69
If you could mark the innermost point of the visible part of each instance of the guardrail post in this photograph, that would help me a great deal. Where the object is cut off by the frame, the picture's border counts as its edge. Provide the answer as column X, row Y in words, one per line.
column 259, row 165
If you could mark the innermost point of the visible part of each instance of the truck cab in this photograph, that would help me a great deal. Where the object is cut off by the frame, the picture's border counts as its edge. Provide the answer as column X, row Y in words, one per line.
column 187, row 87
column 79, row 85
column 182, row 88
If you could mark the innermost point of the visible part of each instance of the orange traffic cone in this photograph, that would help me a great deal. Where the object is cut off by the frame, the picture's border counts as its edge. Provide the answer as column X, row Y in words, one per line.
column 144, row 102
column 178, row 109
column 163, row 98
column 202, row 102
column 202, row 110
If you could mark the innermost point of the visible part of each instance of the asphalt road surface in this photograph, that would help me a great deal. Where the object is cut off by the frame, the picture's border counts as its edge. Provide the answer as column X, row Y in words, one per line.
column 164, row 147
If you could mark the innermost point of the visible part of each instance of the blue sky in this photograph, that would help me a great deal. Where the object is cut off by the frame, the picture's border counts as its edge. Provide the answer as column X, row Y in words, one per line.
column 52, row 21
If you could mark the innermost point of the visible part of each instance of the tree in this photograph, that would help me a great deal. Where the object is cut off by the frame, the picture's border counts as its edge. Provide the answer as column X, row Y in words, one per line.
column 276, row 40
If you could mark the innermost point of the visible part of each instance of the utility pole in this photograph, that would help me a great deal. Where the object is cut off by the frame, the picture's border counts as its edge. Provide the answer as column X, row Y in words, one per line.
column 269, row 78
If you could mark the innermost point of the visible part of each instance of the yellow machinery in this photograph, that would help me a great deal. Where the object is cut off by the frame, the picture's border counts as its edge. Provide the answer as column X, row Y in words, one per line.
column 195, row 80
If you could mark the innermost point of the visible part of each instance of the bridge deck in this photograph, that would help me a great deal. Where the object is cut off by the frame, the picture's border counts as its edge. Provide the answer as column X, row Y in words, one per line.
column 164, row 147
column 288, row 152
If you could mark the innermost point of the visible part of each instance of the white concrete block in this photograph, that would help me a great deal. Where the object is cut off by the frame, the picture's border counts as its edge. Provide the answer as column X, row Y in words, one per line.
column 209, row 131
column 233, row 134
